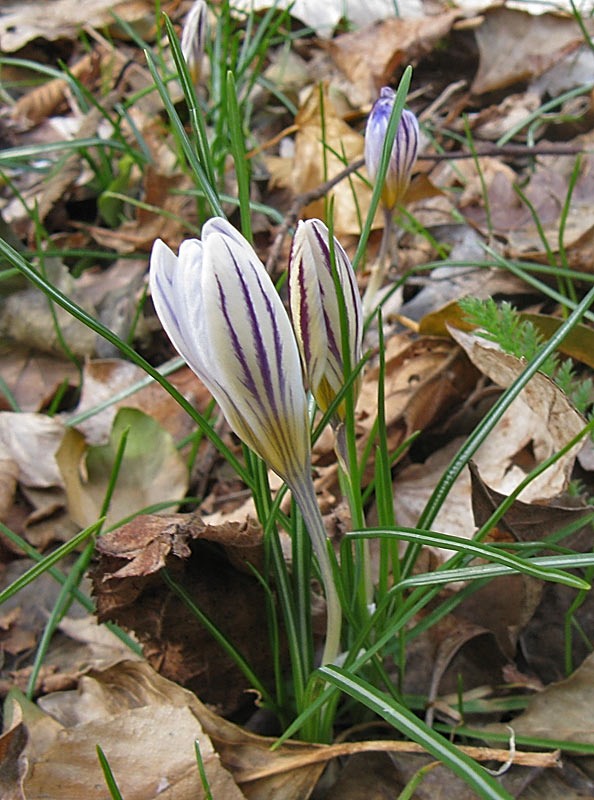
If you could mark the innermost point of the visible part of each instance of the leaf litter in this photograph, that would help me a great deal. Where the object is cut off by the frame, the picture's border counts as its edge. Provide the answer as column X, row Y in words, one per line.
column 505, row 639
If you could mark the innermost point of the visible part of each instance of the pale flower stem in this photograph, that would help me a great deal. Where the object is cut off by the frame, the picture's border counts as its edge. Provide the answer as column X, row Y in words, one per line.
column 304, row 494
column 344, row 460
column 386, row 255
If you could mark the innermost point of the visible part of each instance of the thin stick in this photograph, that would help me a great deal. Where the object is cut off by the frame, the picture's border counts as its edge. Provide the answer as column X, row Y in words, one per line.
column 326, row 752
column 304, row 199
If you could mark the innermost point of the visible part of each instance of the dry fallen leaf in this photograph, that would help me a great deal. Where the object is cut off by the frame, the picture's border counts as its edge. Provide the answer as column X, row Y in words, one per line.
column 32, row 377
column 562, row 711
column 371, row 56
column 12, row 763
column 130, row 591
column 106, row 378
column 125, row 704
column 21, row 22
column 324, row 17
column 539, row 422
column 152, row 470
column 307, row 169
column 514, row 46
column 30, row 441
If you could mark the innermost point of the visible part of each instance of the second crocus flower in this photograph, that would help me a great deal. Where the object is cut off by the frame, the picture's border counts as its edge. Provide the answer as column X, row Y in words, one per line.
column 316, row 311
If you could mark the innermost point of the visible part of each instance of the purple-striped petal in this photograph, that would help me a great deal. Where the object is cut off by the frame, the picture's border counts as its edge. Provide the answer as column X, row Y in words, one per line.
column 315, row 309
column 224, row 316
column 404, row 150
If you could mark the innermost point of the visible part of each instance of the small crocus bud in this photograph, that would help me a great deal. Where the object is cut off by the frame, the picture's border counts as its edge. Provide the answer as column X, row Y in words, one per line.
column 315, row 311
column 404, row 149
column 193, row 37
column 224, row 316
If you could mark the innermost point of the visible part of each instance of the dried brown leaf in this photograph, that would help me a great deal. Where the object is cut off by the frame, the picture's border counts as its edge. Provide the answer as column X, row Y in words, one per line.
column 126, row 704
column 130, row 591
column 562, row 711
column 151, row 470
column 23, row 21
column 41, row 101
column 32, row 377
column 311, row 153
column 515, row 46
column 539, row 422
column 12, row 763
column 105, row 378
column 371, row 56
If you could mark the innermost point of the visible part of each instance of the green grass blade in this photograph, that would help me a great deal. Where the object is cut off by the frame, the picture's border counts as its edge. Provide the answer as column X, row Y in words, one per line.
column 108, row 775
column 409, row 725
column 489, row 552
column 38, row 569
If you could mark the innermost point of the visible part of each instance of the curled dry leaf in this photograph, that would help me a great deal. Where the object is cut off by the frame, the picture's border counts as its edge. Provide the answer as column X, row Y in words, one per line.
column 27, row 318
column 423, row 380
column 324, row 17
column 562, row 711
column 130, row 591
column 538, row 423
column 370, row 57
column 33, row 378
column 30, row 441
column 145, row 726
column 22, row 22
column 514, row 47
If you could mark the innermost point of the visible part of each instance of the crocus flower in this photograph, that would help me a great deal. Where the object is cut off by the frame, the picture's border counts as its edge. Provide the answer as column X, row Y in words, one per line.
column 193, row 37
column 404, row 149
column 315, row 310
column 225, row 318
column 220, row 309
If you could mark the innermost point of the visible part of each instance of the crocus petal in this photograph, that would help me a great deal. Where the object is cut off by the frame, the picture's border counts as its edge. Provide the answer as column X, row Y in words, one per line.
column 224, row 316
column 193, row 38
column 315, row 309
column 404, row 149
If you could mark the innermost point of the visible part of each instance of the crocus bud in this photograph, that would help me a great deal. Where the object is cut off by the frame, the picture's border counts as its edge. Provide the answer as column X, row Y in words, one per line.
column 224, row 316
column 193, row 37
column 404, row 149
column 315, row 310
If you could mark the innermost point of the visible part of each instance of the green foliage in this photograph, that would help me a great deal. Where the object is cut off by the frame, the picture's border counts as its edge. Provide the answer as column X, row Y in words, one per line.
column 502, row 323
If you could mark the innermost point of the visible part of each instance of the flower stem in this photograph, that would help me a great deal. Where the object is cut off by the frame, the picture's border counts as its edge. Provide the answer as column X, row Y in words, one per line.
column 305, row 497
column 386, row 254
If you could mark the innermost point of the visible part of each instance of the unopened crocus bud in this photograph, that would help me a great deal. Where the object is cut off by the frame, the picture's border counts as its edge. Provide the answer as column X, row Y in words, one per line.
column 193, row 38
column 315, row 310
column 224, row 316
column 404, row 149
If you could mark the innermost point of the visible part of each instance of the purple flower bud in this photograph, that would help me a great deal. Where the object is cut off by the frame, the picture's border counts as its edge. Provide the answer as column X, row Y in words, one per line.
column 315, row 310
column 404, row 149
column 224, row 316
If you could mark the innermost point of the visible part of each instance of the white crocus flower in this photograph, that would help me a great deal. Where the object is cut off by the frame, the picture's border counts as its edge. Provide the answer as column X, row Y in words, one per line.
column 220, row 309
column 224, row 316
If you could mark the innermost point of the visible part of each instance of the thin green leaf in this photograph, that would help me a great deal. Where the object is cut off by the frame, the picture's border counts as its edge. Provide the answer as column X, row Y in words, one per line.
column 409, row 725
